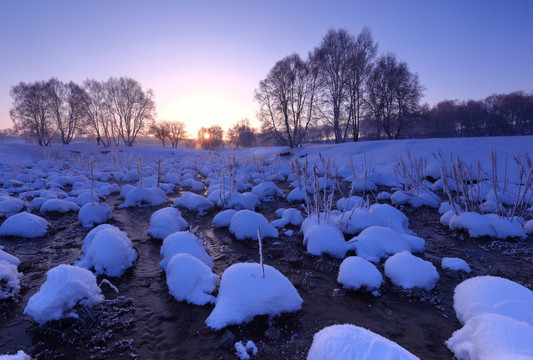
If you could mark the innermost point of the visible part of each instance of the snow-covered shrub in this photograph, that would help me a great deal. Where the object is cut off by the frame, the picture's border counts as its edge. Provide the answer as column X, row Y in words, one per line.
column 144, row 197
column 267, row 190
column 9, row 275
column 356, row 272
column 244, row 225
column 323, row 238
column 184, row 242
column 408, row 271
column 10, row 207
column 190, row 280
column 24, row 225
column 58, row 205
column 288, row 216
column 107, row 250
column 348, row 342
column 65, row 287
column 166, row 221
column 223, row 218
column 94, row 214
column 20, row 355
column 245, row 293
column 455, row 264
column 486, row 225
column 194, row 202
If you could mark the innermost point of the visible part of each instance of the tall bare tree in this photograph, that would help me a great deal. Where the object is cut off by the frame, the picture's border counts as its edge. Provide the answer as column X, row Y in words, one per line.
column 176, row 132
column 286, row 98
column 130, row 107
column 30, row 111
column 97, row 113
column 160, row 129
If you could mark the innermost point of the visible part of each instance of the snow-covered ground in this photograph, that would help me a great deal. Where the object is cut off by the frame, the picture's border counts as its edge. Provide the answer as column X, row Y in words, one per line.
column 356, row 223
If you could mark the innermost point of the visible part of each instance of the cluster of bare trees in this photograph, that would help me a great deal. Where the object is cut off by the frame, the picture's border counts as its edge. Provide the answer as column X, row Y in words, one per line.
column 116, row 110
column 341, row 85
column 173, row 130
column 499, row 114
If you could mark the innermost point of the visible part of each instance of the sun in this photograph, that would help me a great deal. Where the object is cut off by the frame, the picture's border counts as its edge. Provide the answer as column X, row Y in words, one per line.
column 207, row 136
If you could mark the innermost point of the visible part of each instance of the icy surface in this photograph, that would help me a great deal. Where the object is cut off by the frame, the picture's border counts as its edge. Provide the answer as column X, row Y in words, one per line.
column 107, row 250
column 244, row 293
column 408, row 271
column 349, row 342
column 64, row 288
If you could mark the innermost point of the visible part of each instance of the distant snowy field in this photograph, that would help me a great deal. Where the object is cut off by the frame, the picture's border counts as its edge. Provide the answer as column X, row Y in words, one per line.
column 495, row 199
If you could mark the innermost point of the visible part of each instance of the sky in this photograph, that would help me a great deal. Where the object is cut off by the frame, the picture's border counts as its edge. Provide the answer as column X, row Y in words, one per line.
column 204, row 59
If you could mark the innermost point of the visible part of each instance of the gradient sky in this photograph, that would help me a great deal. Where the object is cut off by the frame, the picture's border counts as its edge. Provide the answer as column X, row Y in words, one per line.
column 203, row 59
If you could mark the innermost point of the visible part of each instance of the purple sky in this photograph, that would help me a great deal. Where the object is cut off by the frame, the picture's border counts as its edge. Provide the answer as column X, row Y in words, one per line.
column 203, row 59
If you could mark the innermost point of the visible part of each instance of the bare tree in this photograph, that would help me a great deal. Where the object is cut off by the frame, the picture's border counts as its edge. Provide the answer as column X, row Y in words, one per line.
column 68, row 107
column 210, row 138
column 97, row 113
column 160, row 130
column 241, row 134
column 176, row 132
column 286, row 98
column 30, row 111
column 130, row 107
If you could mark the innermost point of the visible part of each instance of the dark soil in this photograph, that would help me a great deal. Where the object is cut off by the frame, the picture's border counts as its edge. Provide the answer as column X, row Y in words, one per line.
column 144, row 321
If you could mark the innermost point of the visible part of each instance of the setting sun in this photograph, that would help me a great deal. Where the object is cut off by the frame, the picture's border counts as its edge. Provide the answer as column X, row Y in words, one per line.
column 207, row 136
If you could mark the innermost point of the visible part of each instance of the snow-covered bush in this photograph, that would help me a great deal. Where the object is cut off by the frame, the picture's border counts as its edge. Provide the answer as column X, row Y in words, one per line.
column 455, row 264
column 408, row 271
column 356, row 272
column 194, row 202
column 244, row 225
column 20, row 355
column 323, row 238
column 65, row 287
column 24, row 225
column 267, row 190
column 349, row 342
column 107, row 250
column 9, row 275
column 166, row 221
column 10, row 206
column 245, row 293
column 184, row 242
column 58, row 205
column 94, row 214
column 486, row 225
column 223, row 218
column 144, row 197
column 190, row 280
column 288, row 216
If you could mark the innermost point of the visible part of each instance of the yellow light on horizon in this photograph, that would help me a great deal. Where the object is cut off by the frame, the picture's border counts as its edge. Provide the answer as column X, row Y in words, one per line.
column 207, row 136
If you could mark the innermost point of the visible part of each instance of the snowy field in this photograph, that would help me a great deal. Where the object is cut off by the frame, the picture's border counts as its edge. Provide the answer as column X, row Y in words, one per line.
column 386, row 249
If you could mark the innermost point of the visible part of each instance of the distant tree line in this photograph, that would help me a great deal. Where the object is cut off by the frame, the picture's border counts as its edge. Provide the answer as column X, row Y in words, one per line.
column 115, row 111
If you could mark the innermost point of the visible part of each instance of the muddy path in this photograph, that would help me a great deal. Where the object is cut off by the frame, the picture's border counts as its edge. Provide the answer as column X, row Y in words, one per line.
column 144, row 321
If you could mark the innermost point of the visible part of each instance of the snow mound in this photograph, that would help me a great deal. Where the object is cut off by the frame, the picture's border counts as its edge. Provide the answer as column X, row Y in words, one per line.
column 376, row 242
column 64, row 288
column 190, row 280
column 492, row 337
column 455, row 264
column 486, row 225
column 267, row 190
column 491, row 294
column 296, row 195
column 108, row 250
column 244, row 225
column 421, row 197
column 194, row 202
column 356, row 272
column 244, row 293
column 323, row 238
column 10, row 207
column 288, row 216
column 408, row 271
column 242, row 201
column 144, row 197
column 350, row 342
column 345, row 204
column 58, row 205
column 20, row 355
column 528, row 227
column 166, row 221
column 24, row 225
column 394, row 218
column 223, row 218
column 94, row 214
column 9, row 275
column 184, row 242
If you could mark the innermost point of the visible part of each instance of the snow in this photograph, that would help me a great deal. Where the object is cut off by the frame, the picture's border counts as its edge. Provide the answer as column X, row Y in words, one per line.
column 323, row 238
column 344, row 204
column 166, row 221
column 288, row 216
column 190, row 280
column 376, row 242
column 242, row 201
column 94, row 214
column 420, row 197
column 455, row 264
column 486, row 225
column 184, row 242
column 350, row 342
column 194, row 202
column 20, row 355
column 65, row 287
column 223, row 218
column 24, row 225
column 58, row 205
column 356, row 272
column 108, row 250
column 9, row 275
column 296, row 195
column 267, row 190
column 244, row 225
column 10, row 207
column 492, row 337
column 408, row 271
column 244, row 293
column 528, row 227
column 243, row 352
column 144, row 197
column 491, row 294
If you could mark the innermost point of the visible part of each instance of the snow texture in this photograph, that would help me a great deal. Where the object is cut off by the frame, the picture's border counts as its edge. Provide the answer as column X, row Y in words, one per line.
column 107, row 250
column 20, row 355
column 184, row 242
column 166, row 221
column 24, row 225
column 288, row 216
column 267, row 190
column 356, row 272
column 144, row 197
column 94, row 214
column 65, row 287
column 223, row 218
column 244, row 293
column 244, row 225
column 194, row 202
column 190, row 280
column 455, row 264
column 350, row 342
column 486, row 225
column 323, row 238
column 408, row 271
column 58, row 205
column 11, row 206
column 9, row 275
